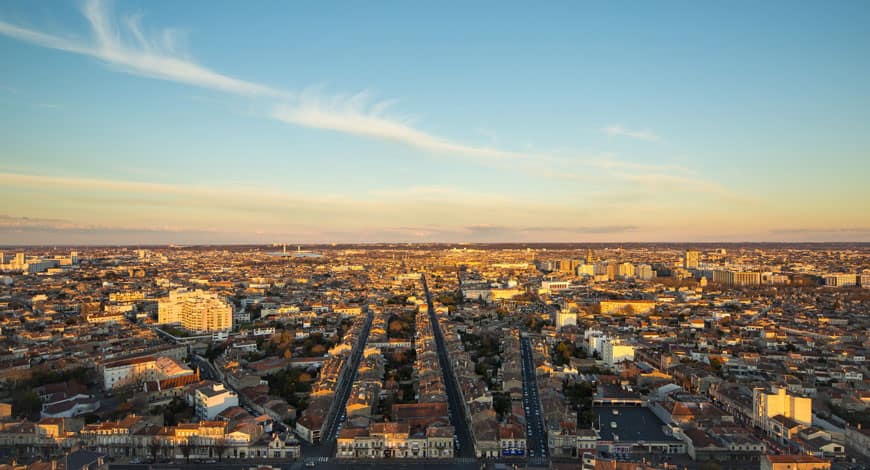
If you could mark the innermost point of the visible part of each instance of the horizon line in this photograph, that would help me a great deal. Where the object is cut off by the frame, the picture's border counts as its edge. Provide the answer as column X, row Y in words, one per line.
column 375, row 243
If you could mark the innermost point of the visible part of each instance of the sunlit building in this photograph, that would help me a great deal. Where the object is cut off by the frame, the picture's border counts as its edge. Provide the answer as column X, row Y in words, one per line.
column 616, row 307
column 841, row 280
column 780, row 414
column 195, row 310
column 614, row 351
column 692, row 259
column 564, row 318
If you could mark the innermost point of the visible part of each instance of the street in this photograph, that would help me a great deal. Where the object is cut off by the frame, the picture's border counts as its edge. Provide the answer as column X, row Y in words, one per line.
column 457, row 407
column 536, row 433
column 326, row 446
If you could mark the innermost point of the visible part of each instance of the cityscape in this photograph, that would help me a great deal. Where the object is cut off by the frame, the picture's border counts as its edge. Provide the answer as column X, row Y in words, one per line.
column 546, row 356
column 434, row 235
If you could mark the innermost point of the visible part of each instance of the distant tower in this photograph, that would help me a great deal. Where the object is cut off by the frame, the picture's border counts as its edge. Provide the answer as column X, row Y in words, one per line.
column 692, row 258
column 590, row 258
column 285, row 248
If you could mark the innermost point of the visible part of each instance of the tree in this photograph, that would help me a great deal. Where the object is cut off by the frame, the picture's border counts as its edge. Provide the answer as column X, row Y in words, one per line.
column 154, row 448
column 186, row 447
column 501, row 403
column 220, row 448
column 26, row 403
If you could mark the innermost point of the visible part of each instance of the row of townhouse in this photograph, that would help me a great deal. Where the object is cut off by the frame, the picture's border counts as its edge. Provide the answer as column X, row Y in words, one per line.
column 335, row 374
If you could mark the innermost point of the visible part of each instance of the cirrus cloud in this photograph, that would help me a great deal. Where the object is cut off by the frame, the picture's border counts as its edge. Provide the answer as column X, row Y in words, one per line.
column 619, row 131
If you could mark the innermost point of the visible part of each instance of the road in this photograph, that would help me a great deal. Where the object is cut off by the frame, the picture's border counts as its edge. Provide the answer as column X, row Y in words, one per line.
column 326, row 446
column 206, row 368
column 457, row 407
column 536, row 435
column 467, row 464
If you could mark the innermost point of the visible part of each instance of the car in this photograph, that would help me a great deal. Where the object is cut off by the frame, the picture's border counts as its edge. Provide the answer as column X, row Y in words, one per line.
column 310, row 464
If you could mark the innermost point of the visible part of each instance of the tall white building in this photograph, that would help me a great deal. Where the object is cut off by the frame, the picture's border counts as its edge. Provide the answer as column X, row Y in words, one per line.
column 586, row 270
column 778, row 412
column 212, row 399
column 593, row 339
column 645, row 272
column 625, row 270
column 195, row 310
column 565, row 318
column 613, row 351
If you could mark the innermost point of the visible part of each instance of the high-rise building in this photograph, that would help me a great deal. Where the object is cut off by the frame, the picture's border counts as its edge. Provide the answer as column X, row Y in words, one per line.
column 779, row 413
column 692, row 259
column 645, row 272
column 195, row 310
column 613, row 351
column 625, row 270
column 586, row 270
column 568, row 265
column 565, row 318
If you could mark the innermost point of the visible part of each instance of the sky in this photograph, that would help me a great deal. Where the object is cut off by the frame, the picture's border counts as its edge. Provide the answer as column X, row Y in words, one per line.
column 203, row 122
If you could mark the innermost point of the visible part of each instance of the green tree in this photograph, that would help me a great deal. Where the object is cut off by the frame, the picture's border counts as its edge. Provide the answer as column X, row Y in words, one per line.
column 26, row 403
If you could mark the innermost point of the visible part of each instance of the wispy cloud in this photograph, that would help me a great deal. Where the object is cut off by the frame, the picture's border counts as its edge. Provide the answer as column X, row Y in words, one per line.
column 8, row 222
column 9, row 89
column 505, row 233
column 679, row 183
column 619, row 131
column 358, row 115
column 129, row 48
column 823, row 230
column 131, row 51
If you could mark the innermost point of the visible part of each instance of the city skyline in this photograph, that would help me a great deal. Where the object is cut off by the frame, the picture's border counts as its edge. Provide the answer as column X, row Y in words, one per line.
column 157, row 123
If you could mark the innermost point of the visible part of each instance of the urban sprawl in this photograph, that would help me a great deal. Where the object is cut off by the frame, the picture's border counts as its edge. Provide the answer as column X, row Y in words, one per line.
column 473, row 356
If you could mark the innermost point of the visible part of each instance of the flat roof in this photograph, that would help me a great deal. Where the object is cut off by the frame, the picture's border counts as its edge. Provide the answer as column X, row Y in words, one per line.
column 633, row 423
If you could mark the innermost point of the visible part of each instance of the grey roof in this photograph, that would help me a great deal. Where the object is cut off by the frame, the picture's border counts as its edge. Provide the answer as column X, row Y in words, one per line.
column 82, row 459
column 633, row 424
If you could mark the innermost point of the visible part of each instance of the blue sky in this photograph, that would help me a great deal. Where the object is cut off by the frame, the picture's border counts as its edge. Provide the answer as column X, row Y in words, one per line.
column 212, row 122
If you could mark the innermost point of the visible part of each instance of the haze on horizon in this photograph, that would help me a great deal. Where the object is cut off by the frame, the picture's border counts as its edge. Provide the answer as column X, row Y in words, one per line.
column 164, row 122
